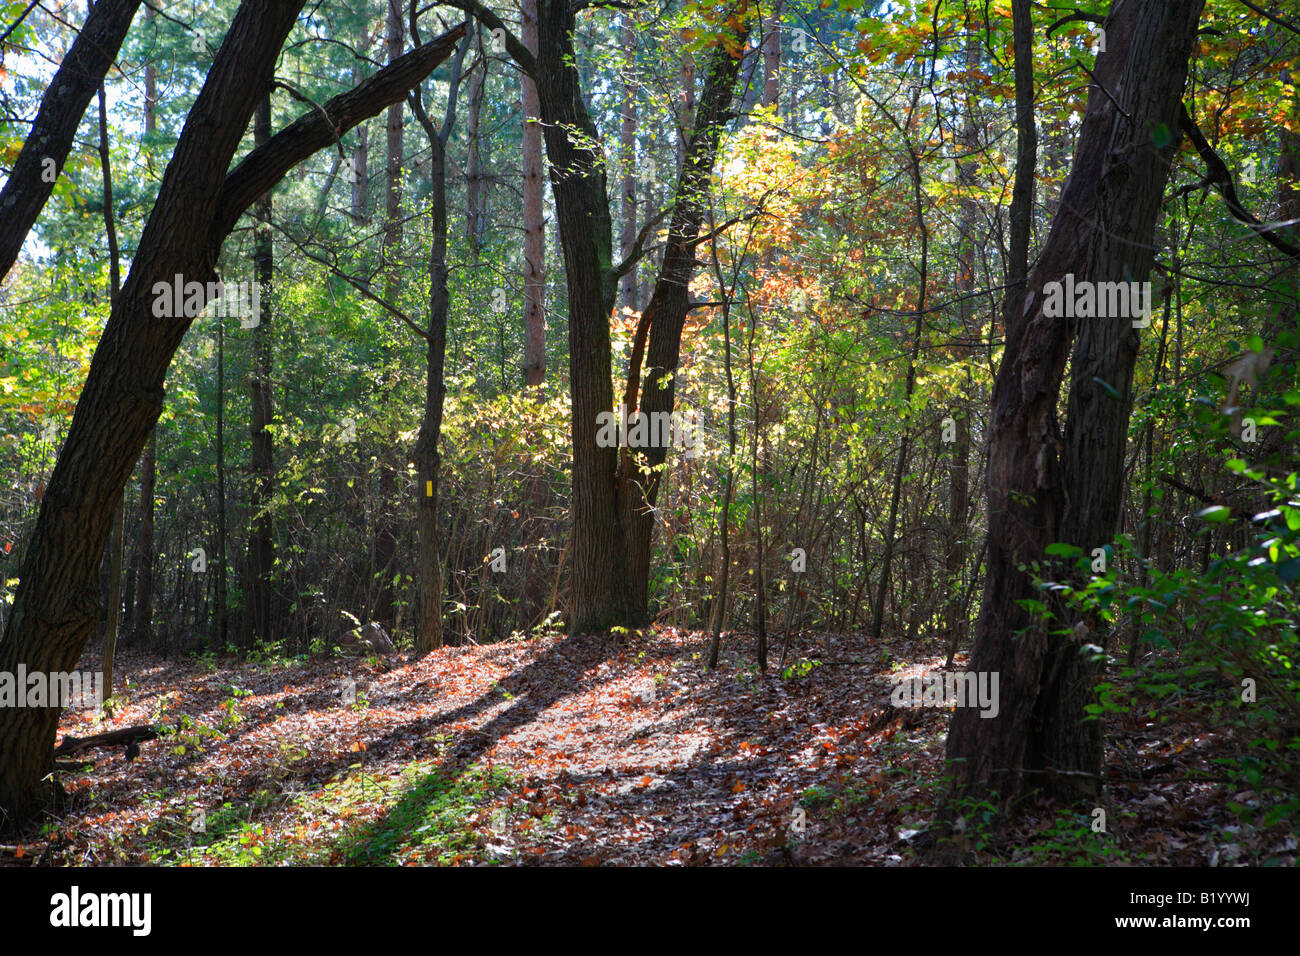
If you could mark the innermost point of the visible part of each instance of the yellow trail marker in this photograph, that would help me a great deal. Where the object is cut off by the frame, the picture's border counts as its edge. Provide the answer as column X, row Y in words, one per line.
column 428, row 489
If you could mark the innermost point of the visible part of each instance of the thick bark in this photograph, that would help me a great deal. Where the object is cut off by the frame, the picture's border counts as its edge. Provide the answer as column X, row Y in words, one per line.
column 1103, row 232
column 198, row 202
column 79, row 75
column 56, row 604
column 600, row 593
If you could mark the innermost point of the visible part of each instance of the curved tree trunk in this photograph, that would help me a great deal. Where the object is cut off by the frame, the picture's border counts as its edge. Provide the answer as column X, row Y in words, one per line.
column 199, row 202
column 57, row 602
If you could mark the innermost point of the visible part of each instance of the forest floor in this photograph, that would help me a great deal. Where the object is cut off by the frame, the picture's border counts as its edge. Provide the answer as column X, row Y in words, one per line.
column 593, row 750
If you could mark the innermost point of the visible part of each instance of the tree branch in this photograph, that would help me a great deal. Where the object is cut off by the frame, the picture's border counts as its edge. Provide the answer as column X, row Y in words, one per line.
column 1221, row 179
column 1070, row 17
column 514, row 46
column 265, row 166
column 637, row 251
column 1268, row 16
column 64, row 103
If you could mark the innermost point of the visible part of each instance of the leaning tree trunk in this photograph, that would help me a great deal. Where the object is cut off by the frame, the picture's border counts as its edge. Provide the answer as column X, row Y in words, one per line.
column 1103, row 232
column 199, row 202
column 56, row 605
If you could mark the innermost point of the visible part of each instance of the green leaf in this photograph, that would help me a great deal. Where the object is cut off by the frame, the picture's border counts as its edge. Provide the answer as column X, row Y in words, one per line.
column 1063, row 550
column 1288, row 571
column 1216, row 514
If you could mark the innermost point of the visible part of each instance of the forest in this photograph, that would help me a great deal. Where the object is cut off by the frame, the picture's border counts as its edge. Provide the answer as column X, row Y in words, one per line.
column 649, row 433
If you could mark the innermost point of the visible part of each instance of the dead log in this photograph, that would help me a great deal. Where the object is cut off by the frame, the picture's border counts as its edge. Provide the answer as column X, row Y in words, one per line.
column 128, row 737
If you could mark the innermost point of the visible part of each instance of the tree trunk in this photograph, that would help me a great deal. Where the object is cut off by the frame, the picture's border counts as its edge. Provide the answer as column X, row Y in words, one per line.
column 724, row 516
column 392, row 245
column 382, row 609
column 959, row 468
column 1103, row 232
column 428, row 635
column 113, row 613
column 772, row 56
column 221, row 626
column 534, row 231
column 475, row 191
column 665, row 316
column 56, row 604
column 900, row 468
column 686, row 121
column 599, row 592
column 199, row 201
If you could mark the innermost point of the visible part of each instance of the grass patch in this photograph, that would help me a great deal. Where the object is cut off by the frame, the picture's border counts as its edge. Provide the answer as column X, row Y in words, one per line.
column 422, row 815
